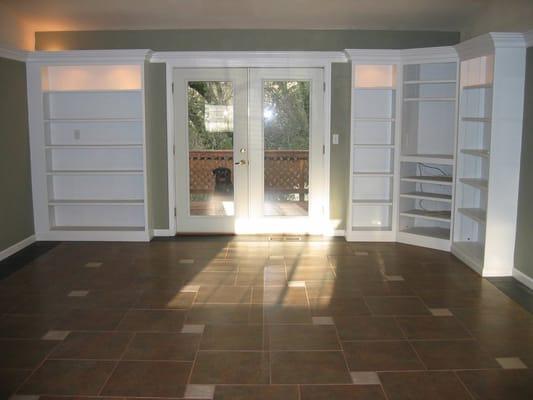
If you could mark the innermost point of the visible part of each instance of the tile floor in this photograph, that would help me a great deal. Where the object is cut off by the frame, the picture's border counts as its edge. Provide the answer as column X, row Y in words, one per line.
column 252, row 318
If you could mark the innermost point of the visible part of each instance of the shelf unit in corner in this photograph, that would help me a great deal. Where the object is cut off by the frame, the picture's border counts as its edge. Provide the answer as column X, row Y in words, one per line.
column 427, row 155
column 489, row 142
column 88, row 140
column 371, row 210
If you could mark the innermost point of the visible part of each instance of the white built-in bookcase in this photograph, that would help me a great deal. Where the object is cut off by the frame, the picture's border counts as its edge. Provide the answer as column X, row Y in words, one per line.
column 428, row 140
column 489, row 148
column 371, row 212
column 88, row 145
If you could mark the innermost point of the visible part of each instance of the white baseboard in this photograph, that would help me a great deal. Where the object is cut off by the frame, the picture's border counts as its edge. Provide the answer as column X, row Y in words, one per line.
column 163, row 233
column 523, row 278
column 16, row 247
column 339, row 232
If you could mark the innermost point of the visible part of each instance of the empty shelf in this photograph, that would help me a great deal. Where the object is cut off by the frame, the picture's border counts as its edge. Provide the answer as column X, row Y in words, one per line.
column 476, row 119
column 447, row 198
column 117, row 202
column 374, row 88
column 429, row 82
column 446, row 159
column 444, row 215
column 96, row 172
column 479, row 86
column 373, row 146
column 371, row 228
column 372, row 202
column 475, row 182
column 429, row 99
column 432, row 179
column 98, row 228
column 476, row 153
column 94, row 146
column 476, row 214
column 434, row 232
column 373, row 174
column 93, row 120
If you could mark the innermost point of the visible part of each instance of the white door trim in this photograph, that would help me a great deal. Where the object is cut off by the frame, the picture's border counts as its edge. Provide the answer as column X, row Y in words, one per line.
column 248, row 60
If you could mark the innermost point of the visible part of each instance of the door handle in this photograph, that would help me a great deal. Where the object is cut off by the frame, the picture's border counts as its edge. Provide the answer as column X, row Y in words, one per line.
column 242, row 162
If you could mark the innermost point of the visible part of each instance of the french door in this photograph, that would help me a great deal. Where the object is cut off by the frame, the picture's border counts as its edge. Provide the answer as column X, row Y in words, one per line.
column 249, row 150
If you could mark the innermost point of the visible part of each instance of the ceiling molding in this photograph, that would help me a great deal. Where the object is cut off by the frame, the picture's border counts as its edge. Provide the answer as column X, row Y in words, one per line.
column 248, row 58
column 90, row 56
column 528, row 37
column 13, row 54
column 374, row 56
column 508, row 39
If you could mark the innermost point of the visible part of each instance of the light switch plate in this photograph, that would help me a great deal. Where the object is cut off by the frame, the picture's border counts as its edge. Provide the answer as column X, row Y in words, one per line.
column 335, row 138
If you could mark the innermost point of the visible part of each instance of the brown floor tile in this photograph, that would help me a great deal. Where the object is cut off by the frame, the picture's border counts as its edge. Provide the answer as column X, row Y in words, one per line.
column 281, row 295
column 152, row 321
column 163, row 347
column 256, row 392
column 309, row 367
column 460, row 354
column 96, row 319
column 423, row 386
column 92, row 345
column 232, row 337
column 148, row 379
column 433, row 328
column 157, row 298
column 213, row 279
column 60, row 377
column 286, row 315
column 381, row 356
column 230, row 367
column 303, row 337
column 367, row 328
column 396, row 306
column 24, row 354
column 332, row 289
column 10, row 380
column 25, row 326
column 223, row 314
column 310, row 274
column 224, row 295
column 341, row 392
column 499, row 384
column 376, row 288
column 325, row 306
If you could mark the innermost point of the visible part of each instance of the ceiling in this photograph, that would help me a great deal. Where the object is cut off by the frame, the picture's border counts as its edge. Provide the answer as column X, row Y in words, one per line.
column 52, row 15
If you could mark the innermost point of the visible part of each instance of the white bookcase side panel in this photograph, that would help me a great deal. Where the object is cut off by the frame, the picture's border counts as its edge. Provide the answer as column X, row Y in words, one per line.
column 373, row 132
column 374, row 103
column 372, row 160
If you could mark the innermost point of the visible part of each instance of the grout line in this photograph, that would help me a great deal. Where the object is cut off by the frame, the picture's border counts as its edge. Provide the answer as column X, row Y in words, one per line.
column 133, row 335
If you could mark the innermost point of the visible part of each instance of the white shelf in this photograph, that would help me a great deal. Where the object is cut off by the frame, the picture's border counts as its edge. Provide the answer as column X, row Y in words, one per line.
column 374, row 146
column 430, row 82
column 475, row 119
column 476, row 153
column 478, row 86
column 375, row 88
column 444, row 216
column 371, row 228
column 364, row 119
column 93, row 91
column 113, row 202
column 66, row 120
column 96, row 172
column 445, row 198
column 372, row 202
column 370, row 174
column 433, row 179
column 476, row 214
column 94, row 146
column 482, row 184
column 99, row 228
column 431, row 231
column 445, row 159
column 444, row 99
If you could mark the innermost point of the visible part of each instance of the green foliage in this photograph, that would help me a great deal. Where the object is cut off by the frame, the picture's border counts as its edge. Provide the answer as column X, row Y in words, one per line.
column 286, row 122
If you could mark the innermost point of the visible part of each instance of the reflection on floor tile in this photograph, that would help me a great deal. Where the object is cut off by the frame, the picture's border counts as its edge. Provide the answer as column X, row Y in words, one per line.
column 242, row 318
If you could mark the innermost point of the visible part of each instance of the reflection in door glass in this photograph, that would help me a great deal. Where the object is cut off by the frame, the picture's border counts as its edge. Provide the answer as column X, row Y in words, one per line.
column 286, row 143
column 210, row 123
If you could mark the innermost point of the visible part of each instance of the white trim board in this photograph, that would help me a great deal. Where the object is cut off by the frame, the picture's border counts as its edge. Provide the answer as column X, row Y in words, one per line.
column 523, row 278
column 16, row 247
column 14, row 54
column 528, row 36
column 163, row 233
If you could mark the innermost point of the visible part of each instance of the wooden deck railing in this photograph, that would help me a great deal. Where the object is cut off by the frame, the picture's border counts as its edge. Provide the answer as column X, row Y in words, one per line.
column 286, row 171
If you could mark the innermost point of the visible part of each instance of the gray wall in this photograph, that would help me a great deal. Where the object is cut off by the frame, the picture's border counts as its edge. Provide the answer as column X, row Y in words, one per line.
column 524, row 230
column 16, row 209
column 244, row 40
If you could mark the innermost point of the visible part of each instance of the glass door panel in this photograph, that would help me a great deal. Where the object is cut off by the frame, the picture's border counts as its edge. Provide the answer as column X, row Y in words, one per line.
column 210, row 123
column 286, row 148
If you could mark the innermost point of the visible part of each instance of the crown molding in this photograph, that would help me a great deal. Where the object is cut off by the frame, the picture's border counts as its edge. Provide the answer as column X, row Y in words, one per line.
column 528, row 37
column 14, row 54
column 90, row 56
column 508, row 39
column 475, row 47
column 247, row 58
column 382, row 56
column 429, row 55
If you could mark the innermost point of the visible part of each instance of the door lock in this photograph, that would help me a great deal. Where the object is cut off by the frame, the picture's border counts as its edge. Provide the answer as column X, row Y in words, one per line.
column 242, row 162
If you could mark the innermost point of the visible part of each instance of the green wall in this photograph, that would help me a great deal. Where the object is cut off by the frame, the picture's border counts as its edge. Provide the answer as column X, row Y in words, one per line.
column 16, row 209
column 249, row 40
column 524, row 230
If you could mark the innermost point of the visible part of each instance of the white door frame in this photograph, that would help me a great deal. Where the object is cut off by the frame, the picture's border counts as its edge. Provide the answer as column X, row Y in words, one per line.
column 248, row 59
